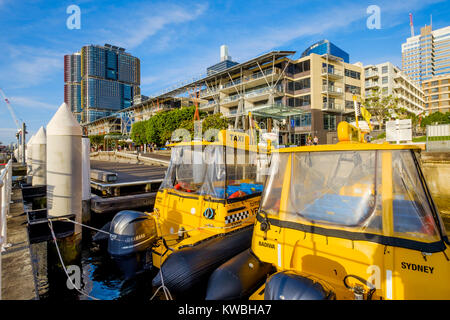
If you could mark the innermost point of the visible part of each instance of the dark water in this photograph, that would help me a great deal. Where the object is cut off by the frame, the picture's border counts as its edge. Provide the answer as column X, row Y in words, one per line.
column 101, row 277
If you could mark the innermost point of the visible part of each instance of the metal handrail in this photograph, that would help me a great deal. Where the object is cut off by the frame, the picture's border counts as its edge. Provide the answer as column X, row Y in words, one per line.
column 5, row 199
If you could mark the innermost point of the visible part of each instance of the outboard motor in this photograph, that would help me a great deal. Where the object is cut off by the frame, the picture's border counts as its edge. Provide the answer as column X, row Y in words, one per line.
column 288, row 285
column 130, row 244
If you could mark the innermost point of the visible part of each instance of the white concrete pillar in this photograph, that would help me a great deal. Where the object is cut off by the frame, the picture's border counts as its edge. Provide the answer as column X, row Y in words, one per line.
column 86, row 180
column 64, row 173
column 29, row 156
column 39, row 152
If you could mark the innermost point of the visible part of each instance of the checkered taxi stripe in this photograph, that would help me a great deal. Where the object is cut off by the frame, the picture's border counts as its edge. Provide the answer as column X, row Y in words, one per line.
column 237, row 217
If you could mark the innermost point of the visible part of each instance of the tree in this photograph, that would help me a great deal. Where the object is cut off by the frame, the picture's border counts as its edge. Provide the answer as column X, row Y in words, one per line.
column 435, row 118
column 213, row 121
column 382, row 107
column 96, row 140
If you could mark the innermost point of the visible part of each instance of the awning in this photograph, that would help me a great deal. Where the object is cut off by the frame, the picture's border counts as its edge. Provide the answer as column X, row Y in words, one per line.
column 276, row 111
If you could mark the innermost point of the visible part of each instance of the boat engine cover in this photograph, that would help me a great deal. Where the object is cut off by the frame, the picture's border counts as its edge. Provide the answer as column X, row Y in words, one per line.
column 288, row 285
column 132, row 231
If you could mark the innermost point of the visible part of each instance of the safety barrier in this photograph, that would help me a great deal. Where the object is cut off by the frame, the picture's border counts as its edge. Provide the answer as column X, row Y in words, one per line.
column 438, row 138
column 5, row 199
column 127, row 157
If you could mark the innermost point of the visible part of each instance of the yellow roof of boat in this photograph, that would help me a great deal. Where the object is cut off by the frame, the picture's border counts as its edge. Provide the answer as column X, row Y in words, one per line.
column 350, row 146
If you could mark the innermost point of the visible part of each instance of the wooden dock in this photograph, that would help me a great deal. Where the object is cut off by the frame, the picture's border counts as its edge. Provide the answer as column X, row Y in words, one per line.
column 135, row 187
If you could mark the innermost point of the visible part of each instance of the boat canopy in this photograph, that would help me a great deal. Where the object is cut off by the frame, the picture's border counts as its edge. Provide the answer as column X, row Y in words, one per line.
column 215, row 170
column 375, row 192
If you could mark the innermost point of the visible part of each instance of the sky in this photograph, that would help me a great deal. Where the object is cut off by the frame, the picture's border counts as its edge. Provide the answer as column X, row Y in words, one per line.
column 177, row 40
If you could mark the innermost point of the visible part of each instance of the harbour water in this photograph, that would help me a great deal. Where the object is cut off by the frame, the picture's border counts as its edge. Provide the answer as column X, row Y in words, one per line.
column 100, row 276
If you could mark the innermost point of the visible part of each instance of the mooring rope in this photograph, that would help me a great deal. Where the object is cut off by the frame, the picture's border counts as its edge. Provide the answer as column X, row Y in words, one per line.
column 86, row 226
column 162, row 286
column 50, row 224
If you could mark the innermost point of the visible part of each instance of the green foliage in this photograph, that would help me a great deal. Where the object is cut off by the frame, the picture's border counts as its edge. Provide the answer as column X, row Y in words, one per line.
column 381, row 136
column 96, row 140
column 213, row 121
column 158, row 129
column 382, row 107
column 435, row 118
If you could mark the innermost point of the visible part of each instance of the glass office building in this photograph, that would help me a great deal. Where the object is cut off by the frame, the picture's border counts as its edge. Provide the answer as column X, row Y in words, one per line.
column 326, row 47
column 427, row 54
column 100, row 80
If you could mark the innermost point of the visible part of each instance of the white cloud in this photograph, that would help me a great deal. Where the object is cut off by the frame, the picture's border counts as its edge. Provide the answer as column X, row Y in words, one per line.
column 134, row 31
column 30, row 66
column 27, row 102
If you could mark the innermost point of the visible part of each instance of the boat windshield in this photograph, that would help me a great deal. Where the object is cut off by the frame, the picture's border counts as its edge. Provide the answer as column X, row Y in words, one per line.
column 213, row 170
column 344, row 189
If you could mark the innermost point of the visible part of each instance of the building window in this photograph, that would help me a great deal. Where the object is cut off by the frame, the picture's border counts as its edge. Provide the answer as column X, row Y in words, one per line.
column 303, row 120
column 384, row 80
column 352, row 74
column 352, row 89
column 300, row 101
column 329, row 121
column 348, row 104
column 299, row 84
column 384, row 69
column 435, row 97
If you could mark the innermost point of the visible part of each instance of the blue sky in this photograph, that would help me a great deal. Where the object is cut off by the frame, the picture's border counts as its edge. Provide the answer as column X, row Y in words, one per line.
column 177, row 41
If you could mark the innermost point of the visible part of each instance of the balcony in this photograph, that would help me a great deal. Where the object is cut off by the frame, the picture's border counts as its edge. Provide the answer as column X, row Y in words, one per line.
column 331, row 106
column 371, row 74
column 230, row 101
column 253, row 79
column 208, row 106
column 263, row 93
column 332, row 73
column 332, row 90
column 371, row 84
column 229, row 114
column 209, row 92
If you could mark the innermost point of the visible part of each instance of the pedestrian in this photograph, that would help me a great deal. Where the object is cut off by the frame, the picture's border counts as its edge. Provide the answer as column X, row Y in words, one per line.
column 368, row 138
column 308, row 141
column 316, row 141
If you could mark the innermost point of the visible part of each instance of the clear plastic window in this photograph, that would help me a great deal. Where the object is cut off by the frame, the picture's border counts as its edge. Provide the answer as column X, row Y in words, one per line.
column 412, row 212
column 187, row 169
column 335, row 188
column 205, row 170
column 271, row 199
column 241, row 170
column 344, row 189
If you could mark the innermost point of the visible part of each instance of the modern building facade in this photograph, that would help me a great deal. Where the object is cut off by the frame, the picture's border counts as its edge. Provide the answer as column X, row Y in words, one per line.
column 437, row 93
column 427, row 54
column 225, row 62
column 72, row 83
column 307, row 96
column 389, row 80
column 326, row 47
column 108, row 78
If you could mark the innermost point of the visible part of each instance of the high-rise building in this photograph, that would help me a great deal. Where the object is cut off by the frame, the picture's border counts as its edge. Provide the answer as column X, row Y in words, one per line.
column 103, row 79
column 437, row 93
column 307, row 96
column 72, row 83
column 389, row 80
column 427, row 54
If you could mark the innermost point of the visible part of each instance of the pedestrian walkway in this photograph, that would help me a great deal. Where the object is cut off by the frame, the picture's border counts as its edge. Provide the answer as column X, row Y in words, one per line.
column 18, row 281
